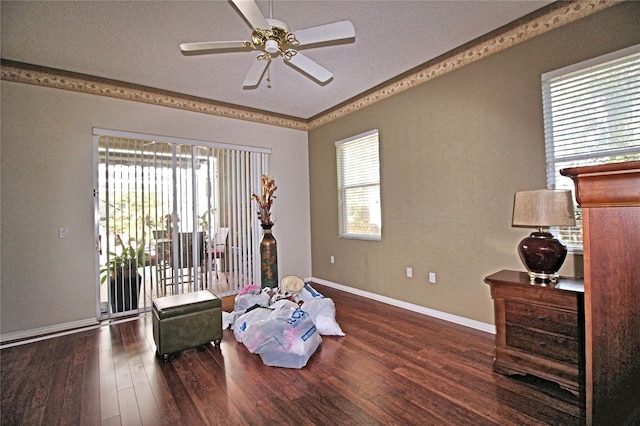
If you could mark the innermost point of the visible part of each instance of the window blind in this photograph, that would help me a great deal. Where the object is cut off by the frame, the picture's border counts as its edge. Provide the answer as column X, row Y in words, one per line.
column 358, row 167
column 155, row 192
column 591, row 116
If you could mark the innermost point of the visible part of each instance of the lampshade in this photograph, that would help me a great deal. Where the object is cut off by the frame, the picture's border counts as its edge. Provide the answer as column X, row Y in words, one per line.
column 543, row 208
column 542, row 254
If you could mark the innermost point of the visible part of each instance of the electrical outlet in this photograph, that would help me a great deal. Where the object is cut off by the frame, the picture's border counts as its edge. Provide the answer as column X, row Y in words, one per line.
column 63, row 232
column 409, row 272
column 432, row 277
column 333, row 260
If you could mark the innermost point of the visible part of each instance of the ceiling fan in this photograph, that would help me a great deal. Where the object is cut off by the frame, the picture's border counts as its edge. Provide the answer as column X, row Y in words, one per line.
column 273, row 37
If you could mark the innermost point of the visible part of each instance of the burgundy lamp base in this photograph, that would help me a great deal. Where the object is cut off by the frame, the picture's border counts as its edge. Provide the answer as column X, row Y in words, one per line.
column 543, row 256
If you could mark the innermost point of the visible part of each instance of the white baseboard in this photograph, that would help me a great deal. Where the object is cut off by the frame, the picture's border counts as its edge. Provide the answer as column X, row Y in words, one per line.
column 36, row 334
column 45, row 332
column 477, row 325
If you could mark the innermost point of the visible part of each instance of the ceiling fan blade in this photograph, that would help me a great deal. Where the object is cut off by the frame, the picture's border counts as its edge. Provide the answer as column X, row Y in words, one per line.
column 252, row 13
column 255, row 73
column 212, row 45
column 312, row 68
column 323, row 33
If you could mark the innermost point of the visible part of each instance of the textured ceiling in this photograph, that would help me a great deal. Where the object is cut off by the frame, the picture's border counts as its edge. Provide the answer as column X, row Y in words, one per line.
column 137, row 42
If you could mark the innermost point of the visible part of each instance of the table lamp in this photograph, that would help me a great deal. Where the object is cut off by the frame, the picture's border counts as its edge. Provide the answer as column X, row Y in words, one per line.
column 540, row 252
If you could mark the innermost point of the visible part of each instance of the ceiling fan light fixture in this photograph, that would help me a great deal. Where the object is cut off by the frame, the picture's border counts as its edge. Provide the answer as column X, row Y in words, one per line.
column 271, row 46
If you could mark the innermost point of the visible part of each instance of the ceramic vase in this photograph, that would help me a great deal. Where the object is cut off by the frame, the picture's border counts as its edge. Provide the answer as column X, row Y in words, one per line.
column 268, row 257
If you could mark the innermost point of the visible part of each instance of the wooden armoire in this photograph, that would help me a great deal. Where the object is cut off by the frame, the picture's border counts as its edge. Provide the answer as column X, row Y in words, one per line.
column 609, row 196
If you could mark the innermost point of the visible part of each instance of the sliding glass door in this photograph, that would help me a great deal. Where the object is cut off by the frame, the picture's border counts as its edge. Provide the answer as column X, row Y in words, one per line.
column 173, row 216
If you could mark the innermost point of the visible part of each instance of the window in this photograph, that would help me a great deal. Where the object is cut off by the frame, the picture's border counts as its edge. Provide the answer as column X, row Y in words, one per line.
column 591, row 116
column 359, row 187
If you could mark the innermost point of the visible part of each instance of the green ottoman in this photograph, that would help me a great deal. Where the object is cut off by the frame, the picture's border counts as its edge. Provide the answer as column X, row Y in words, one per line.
column 186, row 321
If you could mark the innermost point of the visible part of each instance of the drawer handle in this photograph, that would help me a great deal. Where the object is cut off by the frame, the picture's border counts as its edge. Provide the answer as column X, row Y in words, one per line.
column 541, row 318
column 543, row 344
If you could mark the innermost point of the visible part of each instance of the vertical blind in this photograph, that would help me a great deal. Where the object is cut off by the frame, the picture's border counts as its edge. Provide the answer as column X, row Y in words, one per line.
column 591, row 116
column 358, row 166
column 170, row 198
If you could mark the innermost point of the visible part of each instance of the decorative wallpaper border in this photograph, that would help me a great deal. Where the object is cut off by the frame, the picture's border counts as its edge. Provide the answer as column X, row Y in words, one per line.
column 47, row 77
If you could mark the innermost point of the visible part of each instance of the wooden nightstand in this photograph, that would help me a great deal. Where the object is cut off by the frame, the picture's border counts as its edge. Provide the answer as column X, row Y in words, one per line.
column 539, row 329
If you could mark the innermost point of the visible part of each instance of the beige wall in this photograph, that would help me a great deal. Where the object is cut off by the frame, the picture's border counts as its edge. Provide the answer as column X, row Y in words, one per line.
column 453, row 152
column 47, row 183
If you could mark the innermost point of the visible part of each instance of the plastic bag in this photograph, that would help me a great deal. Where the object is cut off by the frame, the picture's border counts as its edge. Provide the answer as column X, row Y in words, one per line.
column 243, row 322
column 251, row 298
column 308, row 293
column 287, row 338
column 228, row 318
column 323, row 314
column 253, row 288
column 252, row 329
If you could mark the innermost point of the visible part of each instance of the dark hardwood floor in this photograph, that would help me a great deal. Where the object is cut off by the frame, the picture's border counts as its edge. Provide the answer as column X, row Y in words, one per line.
column 392, row 367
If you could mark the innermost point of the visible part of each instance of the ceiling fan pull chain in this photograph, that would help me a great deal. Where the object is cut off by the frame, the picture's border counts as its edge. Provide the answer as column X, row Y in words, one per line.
column 268, row 77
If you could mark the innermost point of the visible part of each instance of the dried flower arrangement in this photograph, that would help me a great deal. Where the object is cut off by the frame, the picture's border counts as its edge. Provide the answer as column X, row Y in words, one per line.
column 266, row 200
